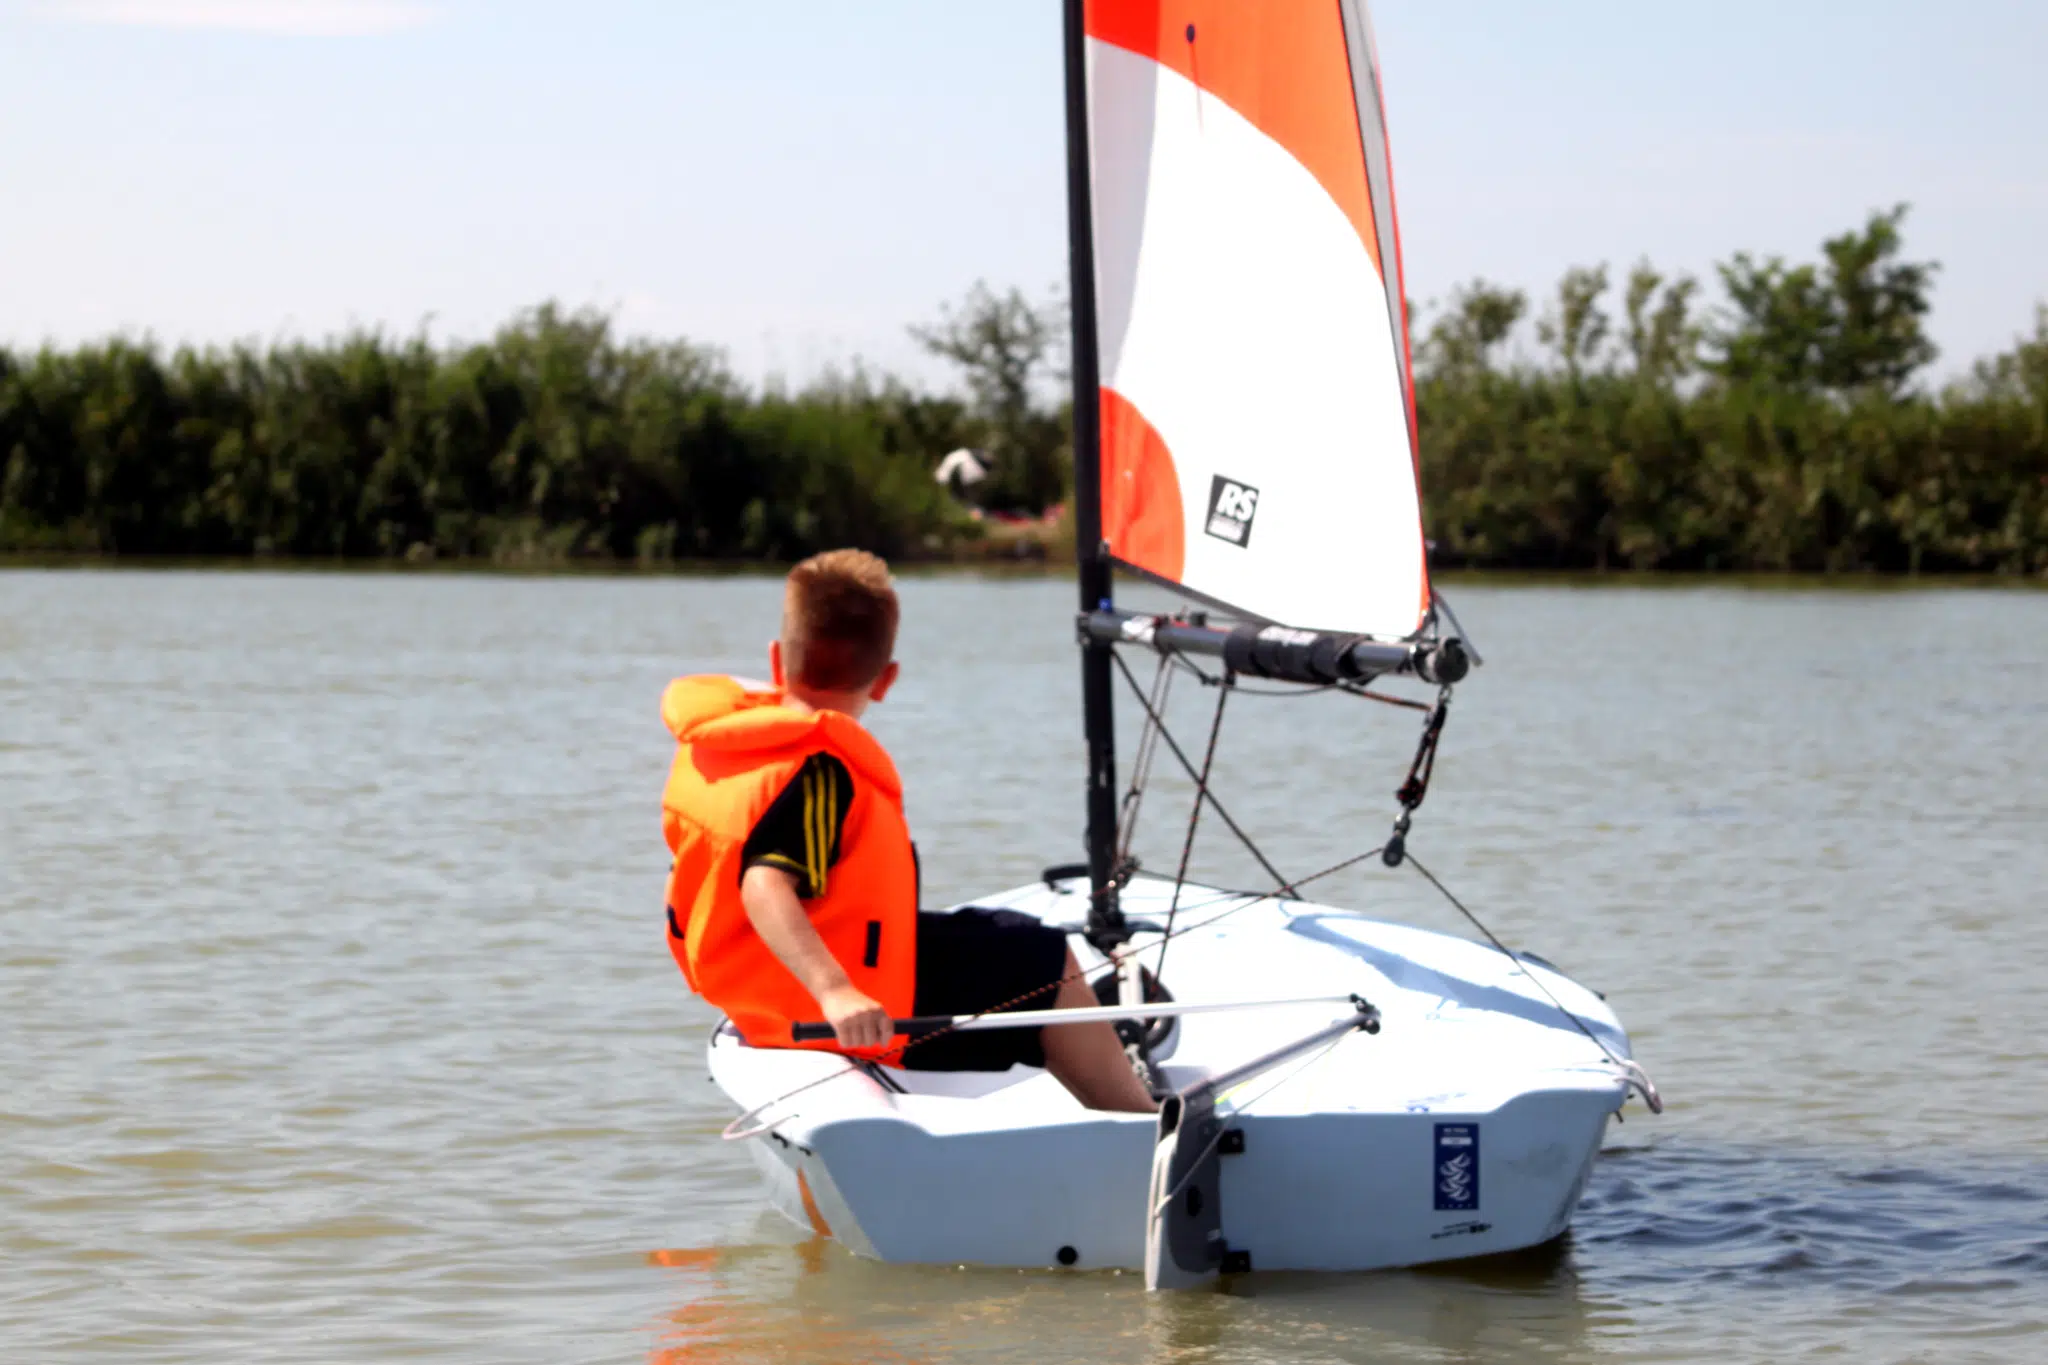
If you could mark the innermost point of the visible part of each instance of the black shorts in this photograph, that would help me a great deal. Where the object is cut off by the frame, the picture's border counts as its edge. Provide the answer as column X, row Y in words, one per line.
column 973, row 960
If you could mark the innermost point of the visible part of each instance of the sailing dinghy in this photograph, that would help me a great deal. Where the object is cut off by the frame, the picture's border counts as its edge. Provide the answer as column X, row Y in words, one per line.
column 1341, row 1093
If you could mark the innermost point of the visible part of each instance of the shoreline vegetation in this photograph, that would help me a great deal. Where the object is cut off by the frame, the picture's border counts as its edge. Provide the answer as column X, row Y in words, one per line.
column 1784, row 427
column 996, row 567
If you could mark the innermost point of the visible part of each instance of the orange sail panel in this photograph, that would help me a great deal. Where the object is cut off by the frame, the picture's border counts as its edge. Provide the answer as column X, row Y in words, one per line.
column 1257, row 411
column 1141, row 506
column 1276, row 64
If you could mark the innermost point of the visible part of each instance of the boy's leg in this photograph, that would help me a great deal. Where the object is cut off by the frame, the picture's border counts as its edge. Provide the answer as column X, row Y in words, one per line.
column 975, row 959
column 1089, row 1059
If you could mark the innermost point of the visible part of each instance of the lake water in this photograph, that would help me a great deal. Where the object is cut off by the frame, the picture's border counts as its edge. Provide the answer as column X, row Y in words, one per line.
column 336, row 1022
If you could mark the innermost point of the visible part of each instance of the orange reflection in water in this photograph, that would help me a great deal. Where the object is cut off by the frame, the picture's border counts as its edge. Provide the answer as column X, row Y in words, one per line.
column 719, row 1322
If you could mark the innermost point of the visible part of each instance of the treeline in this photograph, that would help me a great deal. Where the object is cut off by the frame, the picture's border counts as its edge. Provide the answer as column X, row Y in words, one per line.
column 555, row 439
column 1783, row 429
column 1784, row 425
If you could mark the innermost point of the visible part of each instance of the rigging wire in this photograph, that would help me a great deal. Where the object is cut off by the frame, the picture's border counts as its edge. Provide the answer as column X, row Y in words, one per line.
column 1405, row 703
column 1141, row 763
column 1304, row 690
column 1508, row 952
column 1440, row 603
column 1629, row 1067
column 1156, row 729
column 1415, row 786
column 1187, row 847
column 1245, row 901
column 1202, row 793
column 1392, row 853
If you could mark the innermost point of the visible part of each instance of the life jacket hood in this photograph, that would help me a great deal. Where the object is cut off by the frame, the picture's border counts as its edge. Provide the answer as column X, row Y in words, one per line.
column 722, row 715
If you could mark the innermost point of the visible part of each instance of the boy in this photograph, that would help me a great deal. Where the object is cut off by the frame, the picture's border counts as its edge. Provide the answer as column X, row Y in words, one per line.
column 794, row 889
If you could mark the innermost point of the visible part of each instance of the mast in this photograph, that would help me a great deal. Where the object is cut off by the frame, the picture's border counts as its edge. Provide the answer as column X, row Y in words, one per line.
column 1105, row 917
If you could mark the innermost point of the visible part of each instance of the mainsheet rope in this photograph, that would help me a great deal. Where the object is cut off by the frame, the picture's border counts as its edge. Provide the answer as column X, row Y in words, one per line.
column 1392, row 853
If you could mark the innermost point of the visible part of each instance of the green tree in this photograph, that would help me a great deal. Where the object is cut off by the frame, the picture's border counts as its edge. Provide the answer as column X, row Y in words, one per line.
column 1806, row 448
column 1465, row 337
column 1658, row 330
column 1852, row 321
column 1577, row 327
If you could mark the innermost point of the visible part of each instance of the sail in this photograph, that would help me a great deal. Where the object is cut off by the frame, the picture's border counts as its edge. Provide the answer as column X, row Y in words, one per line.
column 1257, row 432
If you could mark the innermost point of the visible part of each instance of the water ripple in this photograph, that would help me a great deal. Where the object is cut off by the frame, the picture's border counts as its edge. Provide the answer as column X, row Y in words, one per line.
column 336, row 1022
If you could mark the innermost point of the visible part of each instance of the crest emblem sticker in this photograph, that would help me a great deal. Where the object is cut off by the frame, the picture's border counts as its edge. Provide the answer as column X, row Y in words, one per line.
column 1457, row 1166
column 1232, row 505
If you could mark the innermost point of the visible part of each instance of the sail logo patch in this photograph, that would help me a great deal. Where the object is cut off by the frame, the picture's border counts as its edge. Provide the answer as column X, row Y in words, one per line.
column 1232, row 505
column 1457, row 1166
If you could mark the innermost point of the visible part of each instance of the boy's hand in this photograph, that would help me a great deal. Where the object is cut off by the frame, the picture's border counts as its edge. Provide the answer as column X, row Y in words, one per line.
column 856, row 1019
column 769, row 894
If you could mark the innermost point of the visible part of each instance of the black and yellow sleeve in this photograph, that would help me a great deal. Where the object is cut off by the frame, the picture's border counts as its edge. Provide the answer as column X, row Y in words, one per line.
column 799, row 832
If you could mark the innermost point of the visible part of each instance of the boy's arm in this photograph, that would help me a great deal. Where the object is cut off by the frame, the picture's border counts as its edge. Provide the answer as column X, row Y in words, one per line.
column 770, row 897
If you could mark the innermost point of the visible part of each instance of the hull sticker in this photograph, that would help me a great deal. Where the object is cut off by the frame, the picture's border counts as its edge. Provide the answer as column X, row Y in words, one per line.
column 1456, row 1167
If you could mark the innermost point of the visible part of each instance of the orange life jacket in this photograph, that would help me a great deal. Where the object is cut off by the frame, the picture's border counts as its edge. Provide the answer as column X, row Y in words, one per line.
column 736, row 751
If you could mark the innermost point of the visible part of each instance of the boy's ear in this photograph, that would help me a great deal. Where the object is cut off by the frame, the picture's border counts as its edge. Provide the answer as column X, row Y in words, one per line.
column 881, row 685
column 775, row 665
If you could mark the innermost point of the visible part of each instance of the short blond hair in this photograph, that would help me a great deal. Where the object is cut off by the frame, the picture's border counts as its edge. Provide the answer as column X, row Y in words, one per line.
column 839, row 617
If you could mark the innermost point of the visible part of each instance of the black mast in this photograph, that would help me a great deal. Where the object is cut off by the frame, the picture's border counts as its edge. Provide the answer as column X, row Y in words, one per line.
column 1105, row 918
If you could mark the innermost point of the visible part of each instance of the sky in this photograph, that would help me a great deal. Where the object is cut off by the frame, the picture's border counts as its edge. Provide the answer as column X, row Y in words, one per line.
column 795, row 181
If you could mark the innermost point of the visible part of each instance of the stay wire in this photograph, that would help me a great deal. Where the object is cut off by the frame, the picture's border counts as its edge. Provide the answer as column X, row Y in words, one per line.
column 1510, row 955
column 1187, row 847
column 1202, row 793
column 1141, row 764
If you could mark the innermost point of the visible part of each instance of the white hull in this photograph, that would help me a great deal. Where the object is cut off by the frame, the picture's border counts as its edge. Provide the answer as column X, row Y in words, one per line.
column 1349, row 1159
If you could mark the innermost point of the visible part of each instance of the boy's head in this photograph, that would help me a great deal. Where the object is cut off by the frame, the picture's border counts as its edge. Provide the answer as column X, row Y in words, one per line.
column 838, row 631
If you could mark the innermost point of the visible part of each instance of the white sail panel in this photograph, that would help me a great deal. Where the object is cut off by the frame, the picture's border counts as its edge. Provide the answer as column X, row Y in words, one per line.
column 1257, row 444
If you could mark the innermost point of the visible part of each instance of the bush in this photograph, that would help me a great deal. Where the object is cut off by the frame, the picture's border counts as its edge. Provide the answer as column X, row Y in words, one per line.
column 1780, row 431
column 553, row 440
